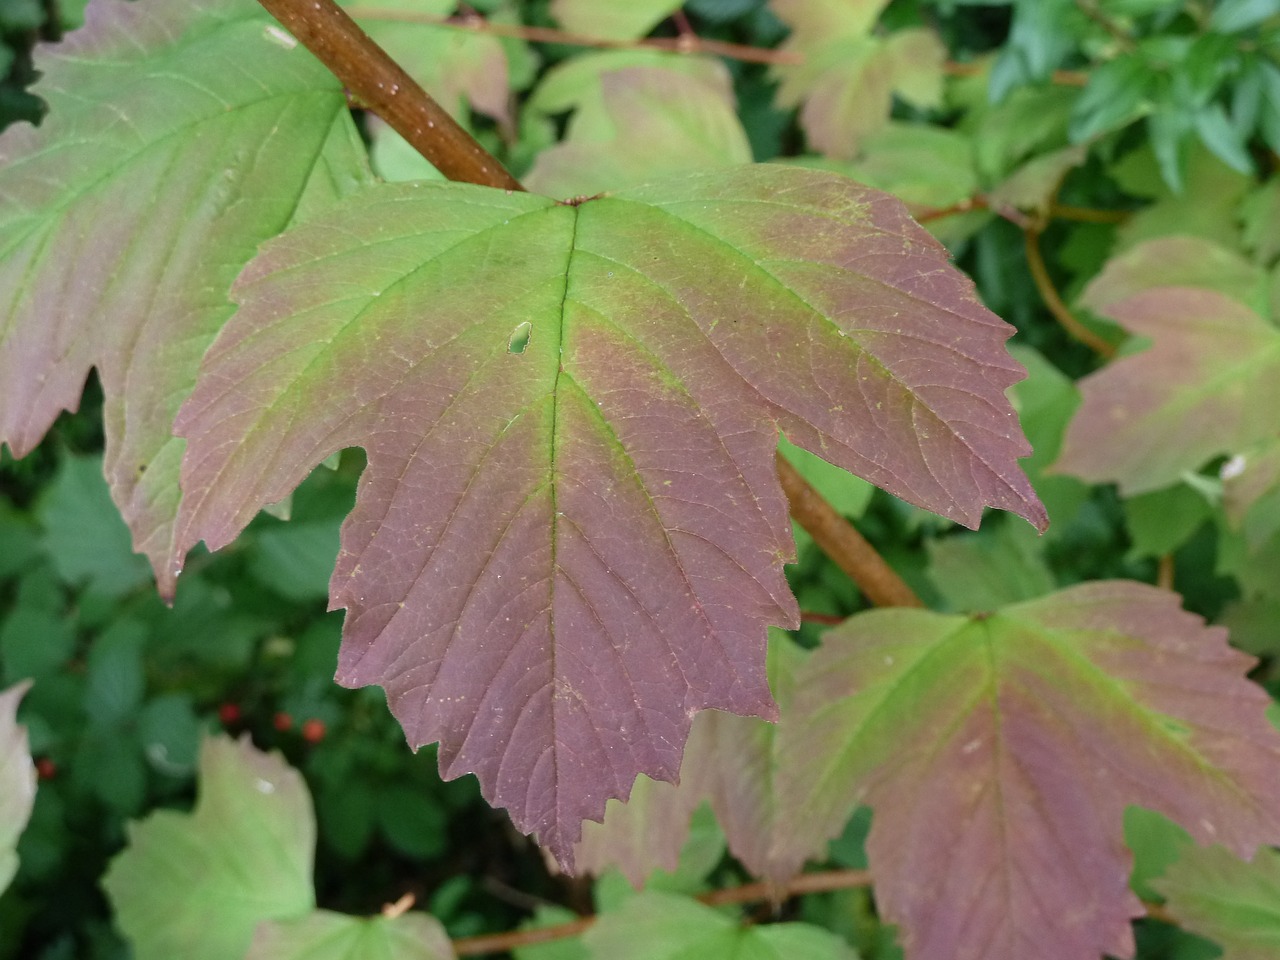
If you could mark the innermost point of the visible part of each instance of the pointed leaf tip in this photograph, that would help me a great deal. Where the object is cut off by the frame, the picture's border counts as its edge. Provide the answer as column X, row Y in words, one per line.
column 558, row 556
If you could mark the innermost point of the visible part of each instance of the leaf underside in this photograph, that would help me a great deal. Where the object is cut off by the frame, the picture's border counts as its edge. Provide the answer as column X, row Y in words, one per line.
column 562, row 551
column 180, row 136
column 17, row 781
column 999, row 754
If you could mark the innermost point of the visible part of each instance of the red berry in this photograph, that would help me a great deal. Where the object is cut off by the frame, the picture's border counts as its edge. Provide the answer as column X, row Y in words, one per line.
column 282, row 721
column 229, row 714
column 313, row 730
column 46, row 769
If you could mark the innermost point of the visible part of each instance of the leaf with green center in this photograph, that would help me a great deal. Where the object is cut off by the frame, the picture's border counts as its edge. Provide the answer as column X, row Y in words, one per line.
column 1237, row 904
column 558, row 555
column 616, row 21
column 1209, row 384
column 17, row 781
column 180, row 136
column 695, row 123
column 659, row 926
column 335, row 936
column 196, row 885
column 999, row 754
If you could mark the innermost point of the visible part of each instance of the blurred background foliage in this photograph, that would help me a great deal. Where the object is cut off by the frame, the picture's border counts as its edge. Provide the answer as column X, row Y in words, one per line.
column 1058, row 131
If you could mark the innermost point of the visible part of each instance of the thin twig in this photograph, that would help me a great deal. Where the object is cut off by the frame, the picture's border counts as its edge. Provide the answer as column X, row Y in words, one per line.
column 1065, row 78
column 685, row 43
column 1060, row 211
column 748, row 892
column 1061, row 312
column 822, row 619
column 1165, row 571
column 842, row 543
column 382, row 85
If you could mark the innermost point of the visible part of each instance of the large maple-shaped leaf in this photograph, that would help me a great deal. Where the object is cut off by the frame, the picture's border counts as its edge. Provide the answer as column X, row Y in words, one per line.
column 999, row 753
column 570, row 535
column 1209, row 384
column 180, row 136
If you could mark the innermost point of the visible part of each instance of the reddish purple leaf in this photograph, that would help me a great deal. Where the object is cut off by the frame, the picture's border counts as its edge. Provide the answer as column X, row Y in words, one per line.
column 570, row 536
column 999, row 754
column 1209, row 384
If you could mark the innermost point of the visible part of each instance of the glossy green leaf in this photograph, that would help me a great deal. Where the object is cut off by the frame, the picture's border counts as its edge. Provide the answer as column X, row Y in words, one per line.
column 1234, row 903
column 608, row 496
column 334, row 936
column 197, row 885
column 83, row 533
column 657, row 926
column 17, row 781
column 999, row 753
column 158, row 191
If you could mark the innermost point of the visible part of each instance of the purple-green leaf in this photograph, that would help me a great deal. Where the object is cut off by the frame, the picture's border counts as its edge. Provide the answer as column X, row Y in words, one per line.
column 999, row 753
column 1209, row 384
column 180, row 136
column 569, row 538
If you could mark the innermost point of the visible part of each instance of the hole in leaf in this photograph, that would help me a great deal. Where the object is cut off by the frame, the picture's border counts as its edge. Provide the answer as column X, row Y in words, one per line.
column 519, row 341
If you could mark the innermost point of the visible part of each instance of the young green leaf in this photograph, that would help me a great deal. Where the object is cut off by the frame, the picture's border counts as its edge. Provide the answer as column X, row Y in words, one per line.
column 558, row 556
column 17, row 781
column 180, row 136
column 999, row 753
column 196, row 885
column 335, row 936
column 1219, row 896
column 658, row 926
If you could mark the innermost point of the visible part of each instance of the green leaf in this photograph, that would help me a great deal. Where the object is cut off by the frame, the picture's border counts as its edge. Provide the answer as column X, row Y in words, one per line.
column 334, row 936
column 1115, row 97
column 83, row 533
column 158, row 191
column 115, row 682
column 1208, row 385
column 1235, row 16
column 609, row 495
column 17, row 781
column 1000, row 752
column 658, row 926
column 35, row 643
column 1161, row 521
column 295, row 559
column 614, row 21
column 694, row 121
column 1237, row 904
column 196, row 885
column 981, row 571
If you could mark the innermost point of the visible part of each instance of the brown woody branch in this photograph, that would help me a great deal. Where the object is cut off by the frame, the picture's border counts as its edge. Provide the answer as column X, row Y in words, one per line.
column 747, row 893
column 381, row 84
column 1049, row 294
column 842, row 543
